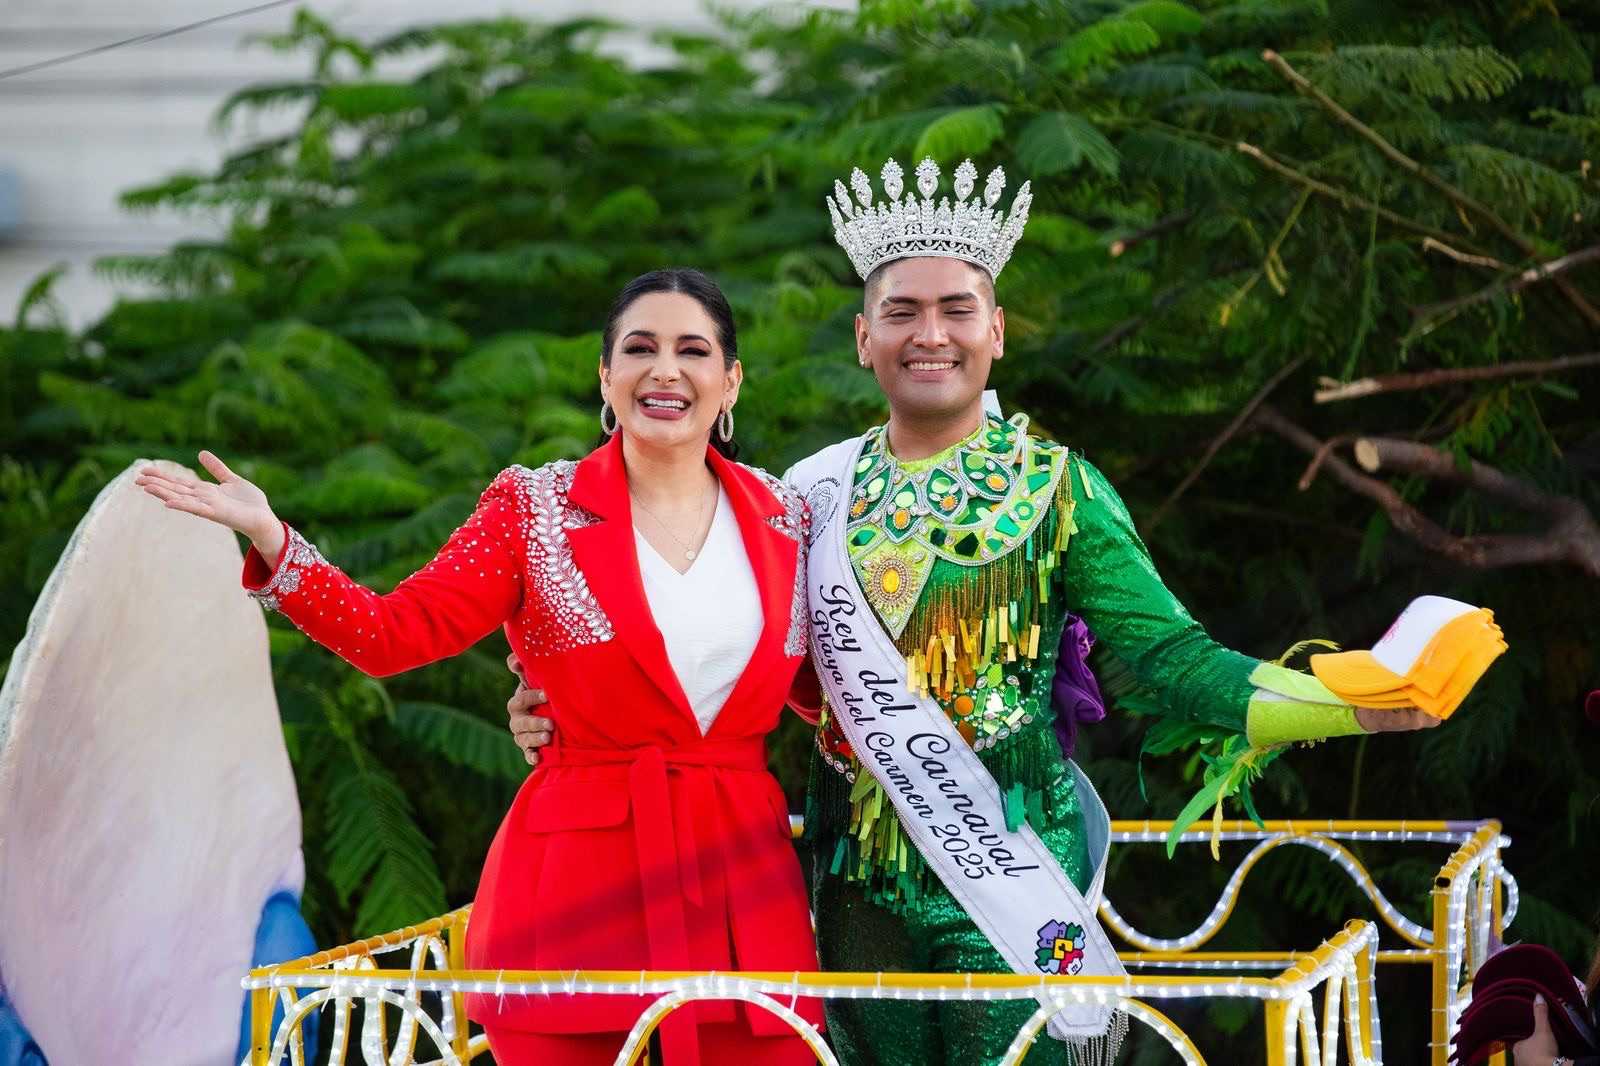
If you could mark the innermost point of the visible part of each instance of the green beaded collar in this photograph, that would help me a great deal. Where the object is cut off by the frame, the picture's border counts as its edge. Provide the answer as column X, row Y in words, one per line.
column 971, row 504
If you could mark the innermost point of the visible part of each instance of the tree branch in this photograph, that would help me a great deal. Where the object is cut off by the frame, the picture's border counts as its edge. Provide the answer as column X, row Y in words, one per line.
column 1329, row 446
column 1447, row 309
column 1332, row 391
column 1424, row 460
column 1155, row 229
column 1220, row 439
column 1573, row 535
column 1572, row 538
column 1134, row 323
column 1349, row 200
column 1489, row 261
column 1411, row 166
column 1124, row 329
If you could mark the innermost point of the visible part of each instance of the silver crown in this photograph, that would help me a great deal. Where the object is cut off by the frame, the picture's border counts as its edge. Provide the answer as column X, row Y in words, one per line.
column 971, row 229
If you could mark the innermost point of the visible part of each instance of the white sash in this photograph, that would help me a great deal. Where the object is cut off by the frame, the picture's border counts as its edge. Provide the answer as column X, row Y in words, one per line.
column 1008, row 882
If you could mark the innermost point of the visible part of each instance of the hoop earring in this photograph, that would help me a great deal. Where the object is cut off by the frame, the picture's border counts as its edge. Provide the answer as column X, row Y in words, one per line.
column 725, row 424
column 605, row 409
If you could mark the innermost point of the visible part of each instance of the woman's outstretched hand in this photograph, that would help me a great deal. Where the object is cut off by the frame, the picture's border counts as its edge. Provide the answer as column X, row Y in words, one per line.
column 232, row 502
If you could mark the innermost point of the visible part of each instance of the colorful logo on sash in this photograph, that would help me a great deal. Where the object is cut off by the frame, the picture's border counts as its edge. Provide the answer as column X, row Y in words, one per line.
column 1061, row 947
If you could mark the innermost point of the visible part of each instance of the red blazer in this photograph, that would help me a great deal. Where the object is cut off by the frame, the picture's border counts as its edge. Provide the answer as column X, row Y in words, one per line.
column 638, row 843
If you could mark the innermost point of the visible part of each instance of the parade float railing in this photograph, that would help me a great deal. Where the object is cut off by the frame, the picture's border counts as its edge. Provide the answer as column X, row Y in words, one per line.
column 1473, row 899
column 426, row 994
column 345, row 978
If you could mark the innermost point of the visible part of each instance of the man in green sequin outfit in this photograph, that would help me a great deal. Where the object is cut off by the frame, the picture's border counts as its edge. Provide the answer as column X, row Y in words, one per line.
column 973, row 541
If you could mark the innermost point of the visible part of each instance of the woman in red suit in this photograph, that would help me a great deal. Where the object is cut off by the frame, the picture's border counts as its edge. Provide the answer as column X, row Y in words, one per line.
column 653, row 591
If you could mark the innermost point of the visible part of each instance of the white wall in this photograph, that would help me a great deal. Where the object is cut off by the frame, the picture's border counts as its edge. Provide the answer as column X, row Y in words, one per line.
column 74, row 137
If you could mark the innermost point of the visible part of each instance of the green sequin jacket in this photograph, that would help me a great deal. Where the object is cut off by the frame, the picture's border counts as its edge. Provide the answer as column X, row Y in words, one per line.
column 972, row 560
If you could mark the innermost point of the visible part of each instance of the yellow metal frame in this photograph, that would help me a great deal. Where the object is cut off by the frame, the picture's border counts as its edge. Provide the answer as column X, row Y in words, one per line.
column 1478, row 845
column 1290, row 988
column 1467, row 920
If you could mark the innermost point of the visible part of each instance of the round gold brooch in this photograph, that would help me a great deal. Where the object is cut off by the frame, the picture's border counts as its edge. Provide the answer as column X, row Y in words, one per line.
column 889, row 579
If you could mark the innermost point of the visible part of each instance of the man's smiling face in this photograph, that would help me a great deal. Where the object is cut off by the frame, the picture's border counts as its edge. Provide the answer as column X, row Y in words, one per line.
column 929, row 329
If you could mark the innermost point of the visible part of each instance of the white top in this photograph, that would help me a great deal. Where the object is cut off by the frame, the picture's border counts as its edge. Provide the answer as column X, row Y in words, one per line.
column 710, row 617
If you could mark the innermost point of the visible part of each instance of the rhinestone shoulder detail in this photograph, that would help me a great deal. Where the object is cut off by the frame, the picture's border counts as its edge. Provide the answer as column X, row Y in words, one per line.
column 298, row 555
column 571, row 617
column 794, row 523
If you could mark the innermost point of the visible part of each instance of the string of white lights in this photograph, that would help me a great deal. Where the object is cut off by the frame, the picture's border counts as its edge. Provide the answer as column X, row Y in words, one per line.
column 1412, row 931
column 423, row 947
column 1471, row 885
column 356, row 977
column 1303, row 1017
column 888, row 986
column 1513, row 894
column 1332, row 1001
column 292, row 1021
column 1374, row 1026
column 667, row 1004
column 297, row 1042
column 339, row 1038
column 1476, row 874
column 1204, row 964
column 1375, row 836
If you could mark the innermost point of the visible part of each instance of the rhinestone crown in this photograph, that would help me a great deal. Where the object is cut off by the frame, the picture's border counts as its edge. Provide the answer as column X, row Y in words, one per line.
column 971, row 229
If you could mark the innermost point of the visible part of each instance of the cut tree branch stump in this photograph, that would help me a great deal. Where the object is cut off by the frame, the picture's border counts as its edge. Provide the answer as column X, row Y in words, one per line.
column 1572, row 538
column 1573, row 535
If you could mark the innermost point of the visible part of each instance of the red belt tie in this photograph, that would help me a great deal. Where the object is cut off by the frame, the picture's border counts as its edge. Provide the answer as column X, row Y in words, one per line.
column 669, row 857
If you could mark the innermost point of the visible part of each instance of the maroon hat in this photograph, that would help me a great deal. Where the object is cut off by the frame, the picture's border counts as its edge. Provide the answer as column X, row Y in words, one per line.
column 1501, row 1011
column 1591, row 706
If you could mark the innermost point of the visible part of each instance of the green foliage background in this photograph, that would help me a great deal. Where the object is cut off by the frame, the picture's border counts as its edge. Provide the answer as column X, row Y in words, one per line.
column 406, row 294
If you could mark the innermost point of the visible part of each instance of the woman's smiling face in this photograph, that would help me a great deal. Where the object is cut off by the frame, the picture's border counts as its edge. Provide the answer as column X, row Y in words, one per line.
column 667, row 381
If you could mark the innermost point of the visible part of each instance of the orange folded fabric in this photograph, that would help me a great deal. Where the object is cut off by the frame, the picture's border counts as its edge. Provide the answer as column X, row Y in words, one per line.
column 1430, row 658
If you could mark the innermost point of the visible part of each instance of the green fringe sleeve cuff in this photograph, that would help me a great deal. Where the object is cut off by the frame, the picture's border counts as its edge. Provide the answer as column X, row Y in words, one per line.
column 1290, row 706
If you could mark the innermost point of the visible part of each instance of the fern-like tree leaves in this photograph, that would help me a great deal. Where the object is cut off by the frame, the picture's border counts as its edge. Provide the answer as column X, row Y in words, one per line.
column 39, row 297
column 375, row 852
column 504, row 369
column 965, row 132
column 461, row 738
column 1058, row 141
column 1443, row 74
column 1102, row 44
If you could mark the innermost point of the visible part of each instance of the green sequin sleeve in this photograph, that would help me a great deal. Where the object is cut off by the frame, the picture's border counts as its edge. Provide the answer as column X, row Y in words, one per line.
column 1110, row 582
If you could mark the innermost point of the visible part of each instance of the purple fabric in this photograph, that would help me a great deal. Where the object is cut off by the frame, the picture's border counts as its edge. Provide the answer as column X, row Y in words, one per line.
column 1074, row 693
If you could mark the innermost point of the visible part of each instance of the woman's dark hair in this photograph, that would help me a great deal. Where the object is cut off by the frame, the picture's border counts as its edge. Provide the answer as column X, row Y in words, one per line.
column 704, row 291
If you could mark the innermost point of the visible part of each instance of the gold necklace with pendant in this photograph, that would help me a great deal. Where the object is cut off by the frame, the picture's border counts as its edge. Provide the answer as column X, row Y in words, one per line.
column 688, row 552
